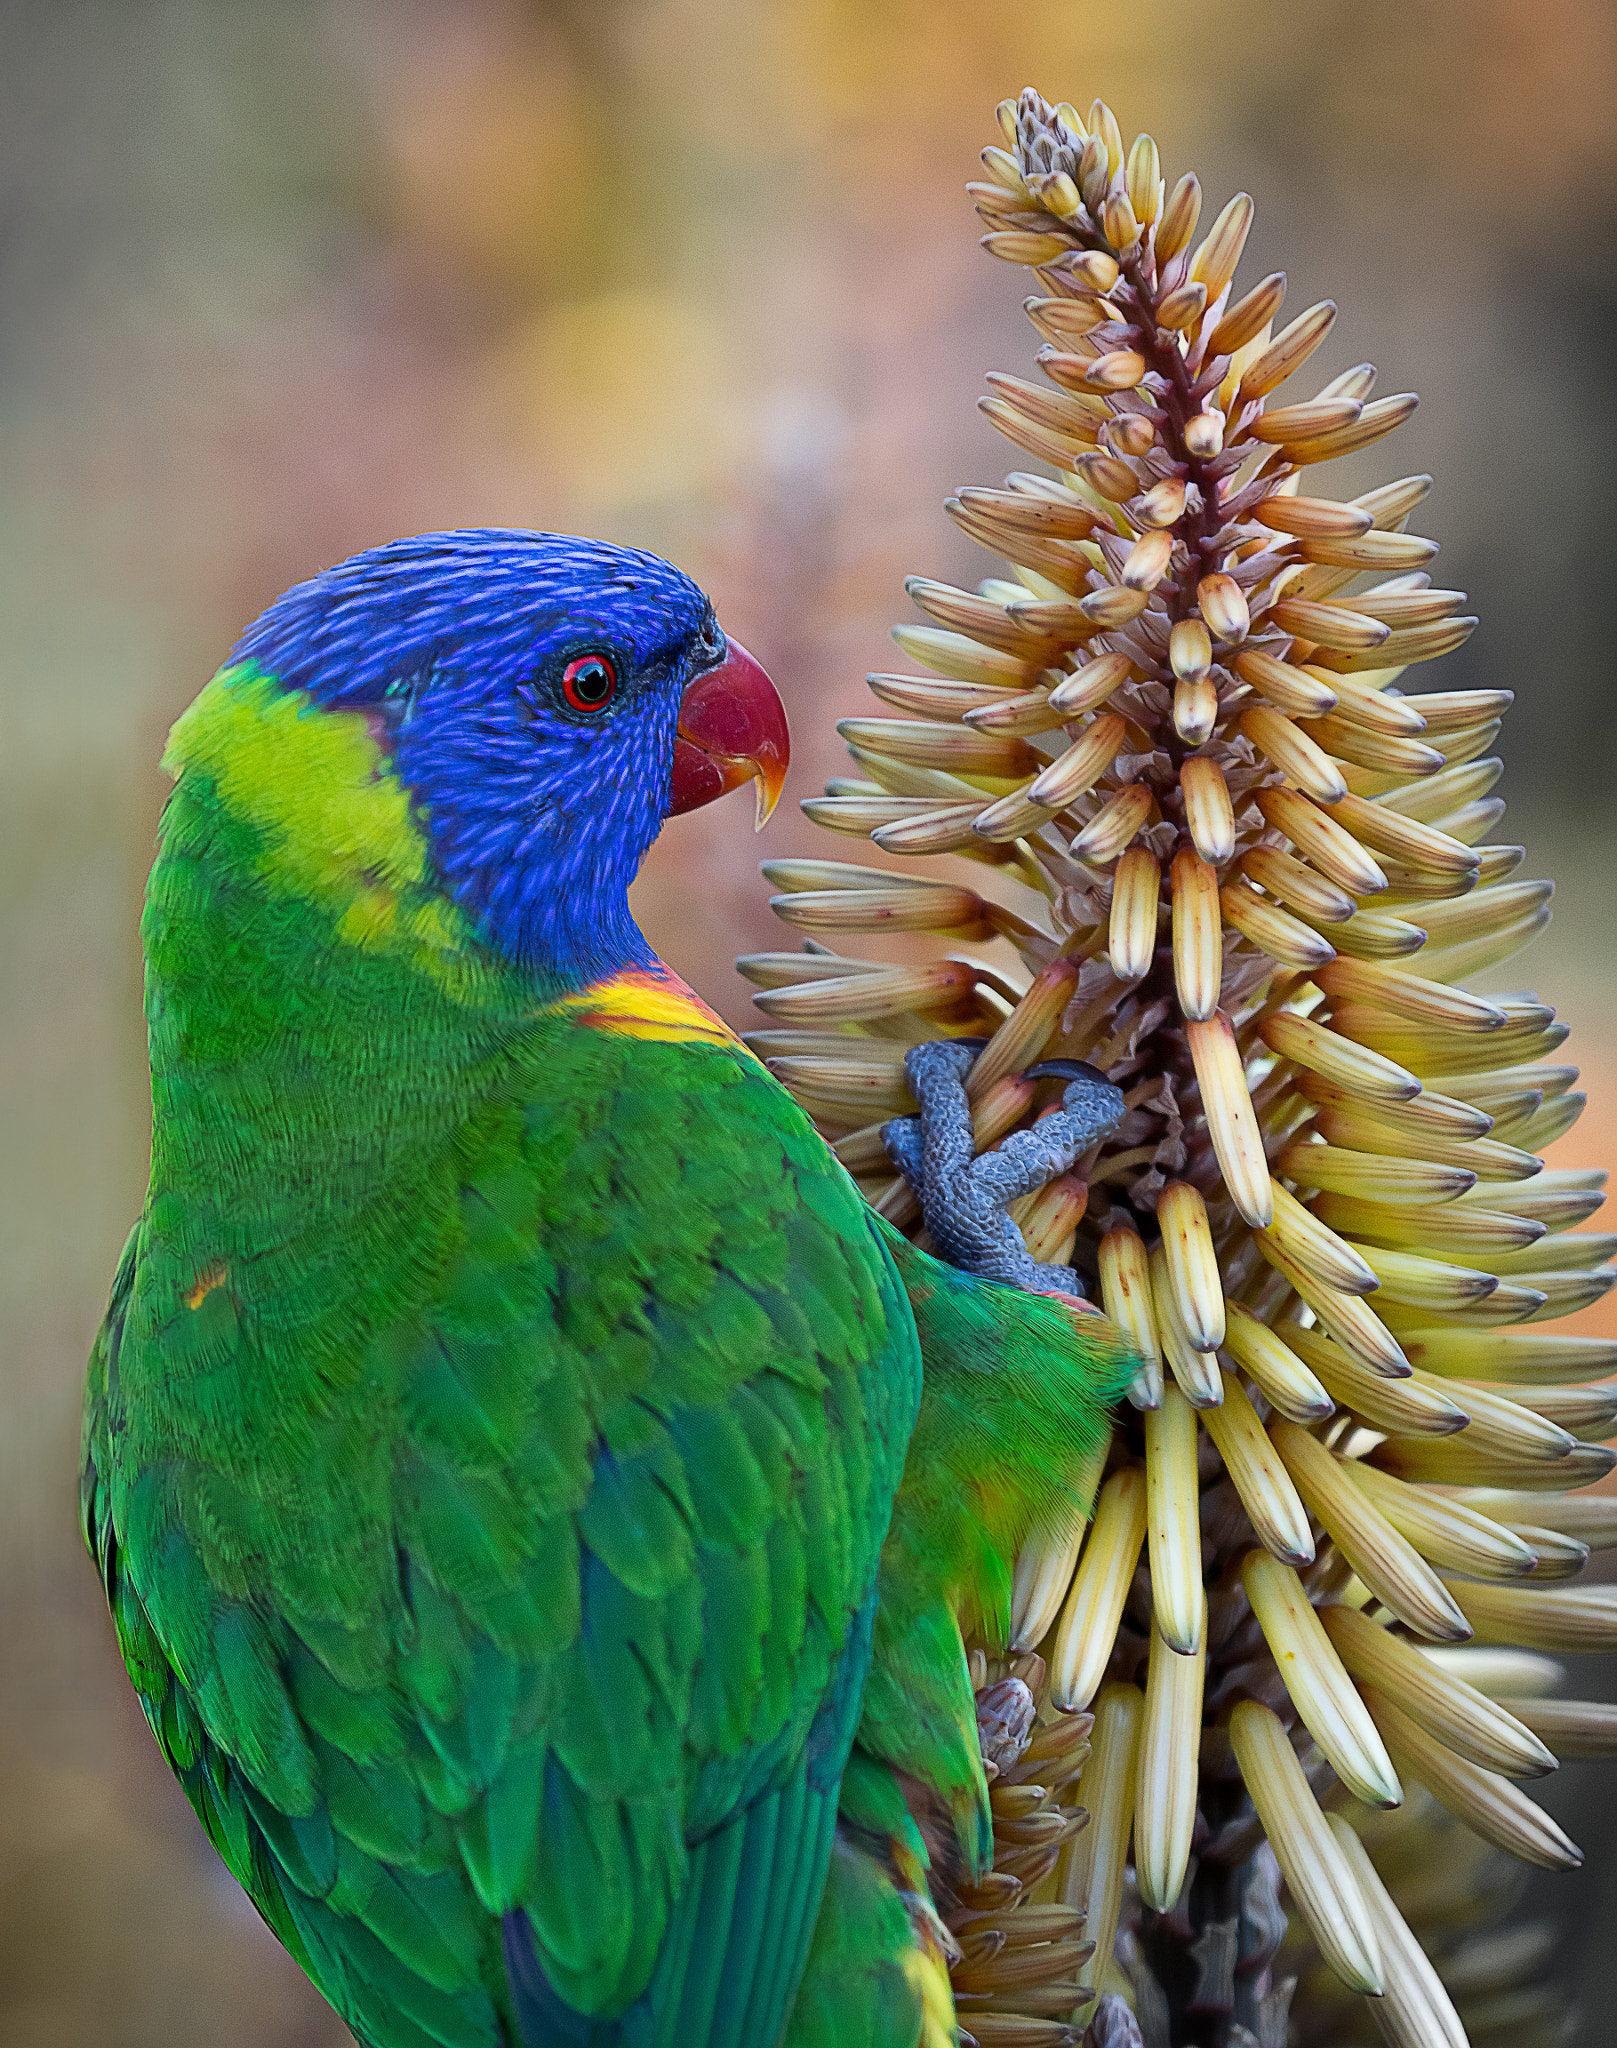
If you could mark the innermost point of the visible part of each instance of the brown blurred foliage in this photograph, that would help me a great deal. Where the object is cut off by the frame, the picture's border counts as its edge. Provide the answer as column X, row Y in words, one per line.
column 285, row 279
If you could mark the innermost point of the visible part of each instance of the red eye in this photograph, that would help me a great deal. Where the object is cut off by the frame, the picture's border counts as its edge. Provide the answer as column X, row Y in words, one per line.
column 589, row 682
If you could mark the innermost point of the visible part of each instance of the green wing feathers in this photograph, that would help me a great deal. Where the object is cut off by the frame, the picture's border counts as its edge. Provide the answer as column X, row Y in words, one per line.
column 1012, row 1413
column 623, row 1549
column 1017, row 1389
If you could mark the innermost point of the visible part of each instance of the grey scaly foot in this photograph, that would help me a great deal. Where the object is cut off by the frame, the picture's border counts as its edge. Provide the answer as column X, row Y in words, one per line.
column 963, row 1198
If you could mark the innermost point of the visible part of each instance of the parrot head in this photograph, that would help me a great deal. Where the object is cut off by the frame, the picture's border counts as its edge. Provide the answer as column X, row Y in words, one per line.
column 547, row 702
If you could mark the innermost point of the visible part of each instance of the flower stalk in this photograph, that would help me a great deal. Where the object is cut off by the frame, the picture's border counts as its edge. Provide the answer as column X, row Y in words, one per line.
column 1231, row 851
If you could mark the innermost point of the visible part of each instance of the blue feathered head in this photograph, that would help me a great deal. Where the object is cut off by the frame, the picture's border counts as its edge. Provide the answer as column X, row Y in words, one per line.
column 548, row 701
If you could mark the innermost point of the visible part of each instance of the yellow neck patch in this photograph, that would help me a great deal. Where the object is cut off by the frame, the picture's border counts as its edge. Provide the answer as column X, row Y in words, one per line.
column 333, row 818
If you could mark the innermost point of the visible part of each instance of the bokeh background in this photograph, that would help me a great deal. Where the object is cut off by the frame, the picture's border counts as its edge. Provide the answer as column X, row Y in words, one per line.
column 282, row 278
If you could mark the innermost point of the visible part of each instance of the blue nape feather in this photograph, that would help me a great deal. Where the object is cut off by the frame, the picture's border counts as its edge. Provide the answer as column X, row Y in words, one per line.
column 458, row 644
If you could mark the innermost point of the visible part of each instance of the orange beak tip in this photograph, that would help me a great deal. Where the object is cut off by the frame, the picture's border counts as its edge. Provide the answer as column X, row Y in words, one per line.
column 771, row 781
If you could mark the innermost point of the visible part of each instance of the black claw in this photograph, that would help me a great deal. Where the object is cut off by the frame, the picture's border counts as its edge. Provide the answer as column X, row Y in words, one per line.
column 963, row 1198
column 1091, row 1109
column 1067, row 1070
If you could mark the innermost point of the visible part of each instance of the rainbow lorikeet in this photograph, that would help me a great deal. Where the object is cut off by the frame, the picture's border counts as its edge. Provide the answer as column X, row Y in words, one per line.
column 495, row 1446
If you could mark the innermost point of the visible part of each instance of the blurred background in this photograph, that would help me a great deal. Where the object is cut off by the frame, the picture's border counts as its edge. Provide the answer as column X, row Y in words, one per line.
column 283, row 278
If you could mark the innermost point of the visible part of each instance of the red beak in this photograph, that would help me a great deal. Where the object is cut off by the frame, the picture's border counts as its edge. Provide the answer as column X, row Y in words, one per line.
column 732, row 729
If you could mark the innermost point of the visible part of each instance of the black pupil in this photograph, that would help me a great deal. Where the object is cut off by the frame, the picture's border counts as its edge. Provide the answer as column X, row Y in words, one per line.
column 592, row 682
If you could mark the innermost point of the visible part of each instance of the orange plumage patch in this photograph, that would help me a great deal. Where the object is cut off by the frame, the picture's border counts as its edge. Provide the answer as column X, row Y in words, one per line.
column 214, row 1277
column 652, row 1002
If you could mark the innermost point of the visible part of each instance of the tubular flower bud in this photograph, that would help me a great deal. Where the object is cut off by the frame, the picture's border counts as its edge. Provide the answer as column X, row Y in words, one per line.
column 1245, row 859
